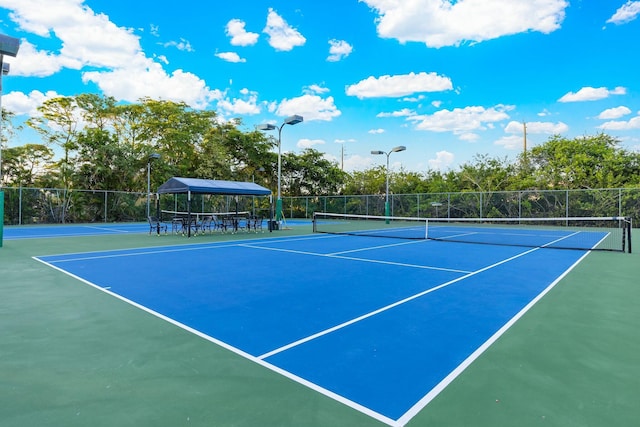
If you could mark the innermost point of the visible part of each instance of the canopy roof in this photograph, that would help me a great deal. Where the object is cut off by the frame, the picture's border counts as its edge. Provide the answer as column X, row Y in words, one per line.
column 212, row 186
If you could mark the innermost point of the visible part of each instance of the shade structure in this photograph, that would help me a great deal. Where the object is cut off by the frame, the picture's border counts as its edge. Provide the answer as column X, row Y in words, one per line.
column 212, row 186
column 189, row 186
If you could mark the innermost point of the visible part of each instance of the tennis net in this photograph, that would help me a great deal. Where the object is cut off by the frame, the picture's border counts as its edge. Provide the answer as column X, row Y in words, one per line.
column 586, row 233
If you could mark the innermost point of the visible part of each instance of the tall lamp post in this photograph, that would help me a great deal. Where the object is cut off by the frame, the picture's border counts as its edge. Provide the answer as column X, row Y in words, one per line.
column 292, row 120
column 152, row 156
column 393, row 150
column 8, row 46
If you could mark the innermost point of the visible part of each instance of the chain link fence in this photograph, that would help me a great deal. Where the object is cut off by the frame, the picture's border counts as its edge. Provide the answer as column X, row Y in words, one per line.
column 50, row 205
column 54, row 206
column 499, row 204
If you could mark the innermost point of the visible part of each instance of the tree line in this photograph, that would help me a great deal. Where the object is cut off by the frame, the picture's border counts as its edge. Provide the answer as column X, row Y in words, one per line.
column 92, row 142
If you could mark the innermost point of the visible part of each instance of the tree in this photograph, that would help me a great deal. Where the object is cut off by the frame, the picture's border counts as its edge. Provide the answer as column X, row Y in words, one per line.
column 309, row 173
column 24, row 164
column 587, row 162
column 369, row 181
column 177, row 132
column 58, row 126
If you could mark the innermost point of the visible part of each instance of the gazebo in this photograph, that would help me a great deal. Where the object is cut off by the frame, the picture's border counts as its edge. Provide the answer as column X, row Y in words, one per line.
column 190, row 186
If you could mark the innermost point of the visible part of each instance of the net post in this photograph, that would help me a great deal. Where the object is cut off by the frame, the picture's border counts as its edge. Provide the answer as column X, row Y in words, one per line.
column 426, row 228
column 629, row 223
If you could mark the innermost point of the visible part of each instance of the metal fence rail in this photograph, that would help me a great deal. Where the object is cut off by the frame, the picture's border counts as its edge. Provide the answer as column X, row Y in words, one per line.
column 52, row 205
column 499, row 204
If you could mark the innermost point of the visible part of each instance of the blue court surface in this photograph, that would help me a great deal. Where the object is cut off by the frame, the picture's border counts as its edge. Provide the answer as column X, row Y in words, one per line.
column 16, row 232
column 381, row 325
column 68, row 230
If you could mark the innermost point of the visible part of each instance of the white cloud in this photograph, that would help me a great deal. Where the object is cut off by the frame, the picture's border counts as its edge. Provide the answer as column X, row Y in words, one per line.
column 314, row 89
column 145, row 78
column 439, row 23
column 626, row 13
column 515, row 141
column 26, row 104
column 282, row 36
column 309, row 143
column 537, row 128
column 230, row 57
column 240, row 36
column 357, row 163
column 238, row 106
column 311, row 107
column 413, row 98
column 405, row 112
column 338, row 49
column 592, row 94
column 118, row 65
column 632, row 124
column 461, row 120
column 443, row 160
column 399, row 85
column 469, row 137
column 376, row 131
column 511, row 142
column 183, row 45
column 34, row 63
column 614, row 113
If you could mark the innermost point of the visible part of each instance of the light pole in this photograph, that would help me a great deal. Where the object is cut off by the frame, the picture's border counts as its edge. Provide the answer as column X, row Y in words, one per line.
column 152, row 156
column 393, row 150
column 8, row 46
column 5, row 71
column 292, row 120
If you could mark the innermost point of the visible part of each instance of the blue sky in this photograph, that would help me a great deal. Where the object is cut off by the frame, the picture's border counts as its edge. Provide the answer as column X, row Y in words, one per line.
column 447, row 79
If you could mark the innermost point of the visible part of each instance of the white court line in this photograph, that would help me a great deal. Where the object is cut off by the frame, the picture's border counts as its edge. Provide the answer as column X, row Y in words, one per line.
column 347, row 402
column 415, row 409
column 354, row 405
column 128, row 254
column 400, row 264
column 412, row 242
column 158, row 249
column 390, row 306
column 112, row 229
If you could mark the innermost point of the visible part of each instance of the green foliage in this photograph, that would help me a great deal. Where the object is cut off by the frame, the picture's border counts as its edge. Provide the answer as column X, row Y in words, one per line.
column 588, row 162
column 93, row 143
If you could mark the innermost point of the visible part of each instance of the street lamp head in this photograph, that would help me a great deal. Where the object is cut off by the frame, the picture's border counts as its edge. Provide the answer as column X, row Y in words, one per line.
column 266, row 126
column 398, row 148
column 293, row 120
column 9, row 45
column 153, row 156
column 377, row 152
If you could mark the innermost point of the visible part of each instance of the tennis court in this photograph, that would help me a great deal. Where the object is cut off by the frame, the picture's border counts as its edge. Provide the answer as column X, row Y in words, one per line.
column 55, row 231
column 379, row 326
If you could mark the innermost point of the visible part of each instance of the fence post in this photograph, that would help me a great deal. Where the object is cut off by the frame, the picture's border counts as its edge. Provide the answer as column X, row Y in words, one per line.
column 519, row 204
column 20, row 205
column 1, row 217
column 567, row 208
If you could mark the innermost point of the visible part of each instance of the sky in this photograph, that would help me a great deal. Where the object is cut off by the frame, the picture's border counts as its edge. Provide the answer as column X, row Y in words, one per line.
column 448, row 79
